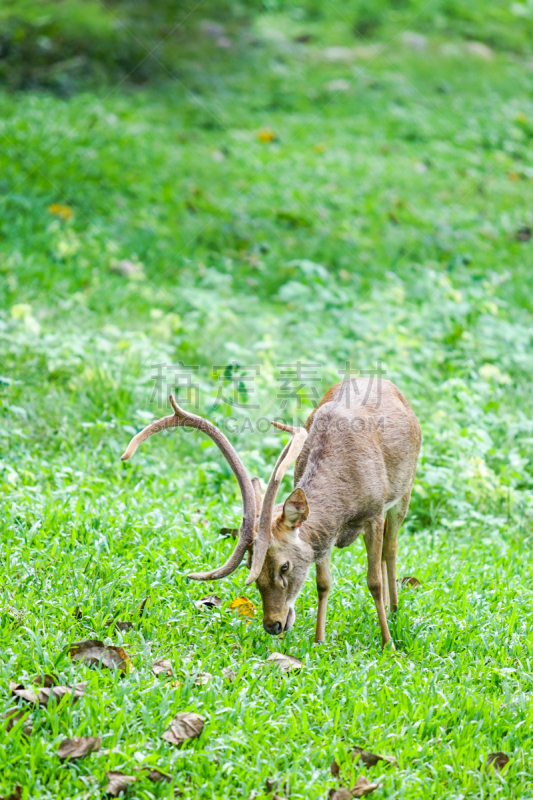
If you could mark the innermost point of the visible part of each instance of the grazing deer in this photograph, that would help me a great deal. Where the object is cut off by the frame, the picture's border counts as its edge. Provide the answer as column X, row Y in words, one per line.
column 355, row 465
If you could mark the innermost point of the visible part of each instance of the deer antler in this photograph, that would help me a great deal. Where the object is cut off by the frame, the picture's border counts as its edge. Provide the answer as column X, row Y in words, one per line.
column 181, row 418
column 288, row 456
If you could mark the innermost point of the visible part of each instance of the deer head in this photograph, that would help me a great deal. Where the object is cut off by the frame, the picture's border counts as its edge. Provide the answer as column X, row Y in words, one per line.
column 278, row 558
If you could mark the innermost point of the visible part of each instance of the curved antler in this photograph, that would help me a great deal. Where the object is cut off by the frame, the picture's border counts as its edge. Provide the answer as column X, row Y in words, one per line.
column 181, row 418
column 288, row 456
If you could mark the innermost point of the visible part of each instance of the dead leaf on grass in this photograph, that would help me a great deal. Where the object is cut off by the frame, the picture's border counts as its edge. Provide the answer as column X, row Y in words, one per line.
column 233, row 532
column 229, row 674
column 16, row 794
column 362, row 787
column 142, row 606
column 411, row 582
column 369, row 759
column 523, row 234
column 120, row 625
column 211, row 601
column 245, row 607
column 43, row 695
column 95, row 653
column 284, row 662
column 163, row 667
column 118, row 783
column 15, row 715
column 203, row 678
column 497, row 761
column 342, row 793
column 156, row 776
column 79, row 746
column 185, row 725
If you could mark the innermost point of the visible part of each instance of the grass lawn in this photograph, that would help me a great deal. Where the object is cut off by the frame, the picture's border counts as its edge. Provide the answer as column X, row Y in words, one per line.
column 281, row 202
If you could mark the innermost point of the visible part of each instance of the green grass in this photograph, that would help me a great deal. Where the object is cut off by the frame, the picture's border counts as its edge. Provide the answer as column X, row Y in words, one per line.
column 380, row 224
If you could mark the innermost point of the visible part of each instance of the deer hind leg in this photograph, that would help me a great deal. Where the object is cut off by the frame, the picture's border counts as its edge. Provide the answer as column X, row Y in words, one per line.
column 373, row 537
column 393, row 520
column 323, row 586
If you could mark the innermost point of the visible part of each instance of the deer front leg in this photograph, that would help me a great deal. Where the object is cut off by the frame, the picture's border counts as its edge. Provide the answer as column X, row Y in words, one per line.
column 373, row 537
column 323, row 586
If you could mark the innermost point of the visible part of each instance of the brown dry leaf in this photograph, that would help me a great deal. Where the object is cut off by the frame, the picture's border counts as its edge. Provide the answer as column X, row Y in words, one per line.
column 47, row 691
column 211, row 601
column 185, row 725
column 245, row 607
column 156, row 776
column 497, row 761
column 15, row 715
column 342, row 793
column 203, row 678
column 229, row 674
column 362, row 787
column 163, row 667
column 523, row 234
column 120, row 625
column 16, row 794
column 334, row 769
column 93, row 652
column 142, row 606
column 233, row 532
column 369, row 759
column 270, row 785
column 411, row 582
column 79, row 746
column 128, row 269
column 118, row 783
column 61, row 211
column 284, row 662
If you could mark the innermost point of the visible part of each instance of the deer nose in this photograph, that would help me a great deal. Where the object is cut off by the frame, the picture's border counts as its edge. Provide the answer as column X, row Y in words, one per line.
column 273, row 629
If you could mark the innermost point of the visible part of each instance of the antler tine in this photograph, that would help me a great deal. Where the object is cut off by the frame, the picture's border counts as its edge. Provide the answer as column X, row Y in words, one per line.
column 288, row 456
column 283, row 427
column 181, row 418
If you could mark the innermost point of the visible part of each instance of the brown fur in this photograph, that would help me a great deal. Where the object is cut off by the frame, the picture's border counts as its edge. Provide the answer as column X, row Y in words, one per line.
column 357, row 465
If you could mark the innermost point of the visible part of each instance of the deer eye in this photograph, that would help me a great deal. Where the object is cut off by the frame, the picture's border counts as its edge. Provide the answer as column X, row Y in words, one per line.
column 285, row 567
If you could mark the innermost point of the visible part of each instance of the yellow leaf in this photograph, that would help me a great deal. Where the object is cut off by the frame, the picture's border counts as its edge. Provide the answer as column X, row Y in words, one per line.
column 245, row 607
column 266, row 136
column 63, row 212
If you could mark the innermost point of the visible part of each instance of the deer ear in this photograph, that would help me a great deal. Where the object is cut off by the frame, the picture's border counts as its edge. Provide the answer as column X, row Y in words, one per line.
column 295, row 509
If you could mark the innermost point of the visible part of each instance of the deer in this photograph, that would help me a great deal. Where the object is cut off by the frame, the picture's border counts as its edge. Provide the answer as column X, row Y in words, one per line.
column 355, row 462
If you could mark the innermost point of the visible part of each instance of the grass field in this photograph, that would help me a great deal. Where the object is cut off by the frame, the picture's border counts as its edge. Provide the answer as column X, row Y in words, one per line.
column 275, row 203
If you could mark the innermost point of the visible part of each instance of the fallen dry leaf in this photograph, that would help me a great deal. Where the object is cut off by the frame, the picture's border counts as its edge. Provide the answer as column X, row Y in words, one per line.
column 342, row 793
column 497, row 761
column 16, row 794
column 95, row 653
column 362, row 787
column 156, row 776
column 211, row 601
column 203, row 678
column 118, row 783
column 15, row 715
column 163, row 667
column 411, row 582
column 185, row 725
column 128, row 269
column 229, row 674
column 266, row 136
column 121, row 625
column 61, row 211
column 245, row 607
column 43, row 695
column 523, row 234
column 369, row 759
column 142, row 606
column 284, row 662
column 233, row 532
column 79, row 746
